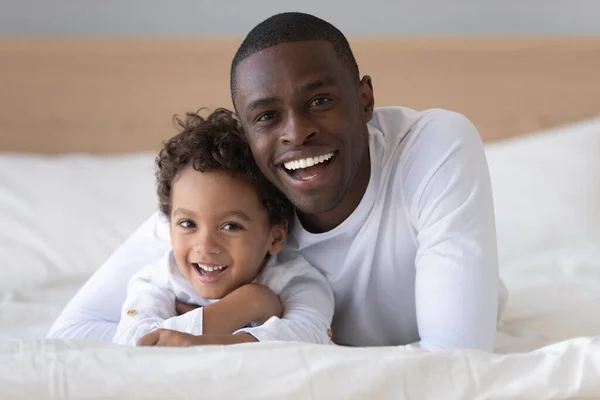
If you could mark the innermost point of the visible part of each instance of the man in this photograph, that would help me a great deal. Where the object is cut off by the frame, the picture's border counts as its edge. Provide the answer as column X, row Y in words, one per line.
column 394, row 206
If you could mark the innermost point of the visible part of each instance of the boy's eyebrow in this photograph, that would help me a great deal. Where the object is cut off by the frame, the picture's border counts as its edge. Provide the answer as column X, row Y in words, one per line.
column 181, row 210
column 237, row 213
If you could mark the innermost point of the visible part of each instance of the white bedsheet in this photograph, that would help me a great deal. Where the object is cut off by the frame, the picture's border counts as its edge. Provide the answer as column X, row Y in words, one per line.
column 60, row 217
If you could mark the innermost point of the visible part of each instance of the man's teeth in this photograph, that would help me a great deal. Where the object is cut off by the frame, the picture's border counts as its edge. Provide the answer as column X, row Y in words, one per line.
column 307, row 162
column 207, row 268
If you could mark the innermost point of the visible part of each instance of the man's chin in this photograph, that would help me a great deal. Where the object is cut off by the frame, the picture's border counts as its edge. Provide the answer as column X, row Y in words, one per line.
column 316, row 204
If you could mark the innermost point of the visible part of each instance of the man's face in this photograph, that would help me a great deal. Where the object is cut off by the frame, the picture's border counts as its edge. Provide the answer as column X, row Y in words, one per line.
column 305, row 118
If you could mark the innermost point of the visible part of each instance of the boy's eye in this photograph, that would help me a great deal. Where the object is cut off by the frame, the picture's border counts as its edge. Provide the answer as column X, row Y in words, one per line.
column 187, row 224
column 232, row 227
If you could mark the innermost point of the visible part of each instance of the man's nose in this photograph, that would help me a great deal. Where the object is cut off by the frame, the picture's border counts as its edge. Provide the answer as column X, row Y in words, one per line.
column 298, row 130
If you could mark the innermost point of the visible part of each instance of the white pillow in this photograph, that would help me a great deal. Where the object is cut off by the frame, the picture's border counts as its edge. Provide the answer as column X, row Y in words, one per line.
column 63, row 216
column 546, row 189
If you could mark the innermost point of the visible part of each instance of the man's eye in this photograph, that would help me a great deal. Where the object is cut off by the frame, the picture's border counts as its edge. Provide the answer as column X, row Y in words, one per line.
column 187, row 224
column 232, row 227
column 266, row 116
column 319, row 101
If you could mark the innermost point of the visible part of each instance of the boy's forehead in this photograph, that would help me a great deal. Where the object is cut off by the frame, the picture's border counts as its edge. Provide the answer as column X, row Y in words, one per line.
column 222, row 186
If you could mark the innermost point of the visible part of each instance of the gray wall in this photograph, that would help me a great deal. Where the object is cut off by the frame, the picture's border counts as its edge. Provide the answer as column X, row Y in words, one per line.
column 353, row 17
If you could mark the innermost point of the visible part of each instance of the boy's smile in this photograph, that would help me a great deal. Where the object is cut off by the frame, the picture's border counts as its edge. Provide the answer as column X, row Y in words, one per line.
column 221, row 234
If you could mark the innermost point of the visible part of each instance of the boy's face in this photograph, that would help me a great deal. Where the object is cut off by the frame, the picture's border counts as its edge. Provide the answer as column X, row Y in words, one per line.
column 219, row 231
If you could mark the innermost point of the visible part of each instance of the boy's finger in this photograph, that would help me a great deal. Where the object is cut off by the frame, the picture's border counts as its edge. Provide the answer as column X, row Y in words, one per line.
column 150, row 339
column 182, row 308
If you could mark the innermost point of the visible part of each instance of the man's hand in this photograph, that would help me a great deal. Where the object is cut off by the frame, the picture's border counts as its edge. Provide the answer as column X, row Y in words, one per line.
column 167, row 337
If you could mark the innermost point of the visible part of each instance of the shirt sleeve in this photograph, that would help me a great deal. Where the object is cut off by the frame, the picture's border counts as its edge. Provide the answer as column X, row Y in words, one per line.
column 307, row 300
column 150, row 305
column 93, row 313
column 447, row 187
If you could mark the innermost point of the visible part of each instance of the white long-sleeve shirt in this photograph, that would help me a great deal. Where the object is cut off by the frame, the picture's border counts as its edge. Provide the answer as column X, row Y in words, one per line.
column 306, row 297
column 415, row 262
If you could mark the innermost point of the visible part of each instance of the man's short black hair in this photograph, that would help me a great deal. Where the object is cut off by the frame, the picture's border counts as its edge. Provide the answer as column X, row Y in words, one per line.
column 293, row 27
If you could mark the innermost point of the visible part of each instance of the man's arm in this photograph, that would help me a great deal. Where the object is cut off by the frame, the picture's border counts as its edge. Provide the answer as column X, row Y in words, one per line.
column 448, row 190
column 94, row 311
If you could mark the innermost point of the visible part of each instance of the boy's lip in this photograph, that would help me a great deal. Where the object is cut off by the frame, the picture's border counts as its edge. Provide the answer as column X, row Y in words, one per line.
column 209, row 276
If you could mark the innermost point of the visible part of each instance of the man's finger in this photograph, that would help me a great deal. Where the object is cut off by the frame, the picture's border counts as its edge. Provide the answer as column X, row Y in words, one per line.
column 150, row 339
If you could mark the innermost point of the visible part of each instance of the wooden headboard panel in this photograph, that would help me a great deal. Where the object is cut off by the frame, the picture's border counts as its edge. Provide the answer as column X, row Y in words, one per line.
column 119, row 95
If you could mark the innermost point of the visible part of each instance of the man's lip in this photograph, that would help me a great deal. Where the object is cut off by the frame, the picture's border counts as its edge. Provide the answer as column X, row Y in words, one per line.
column 295, row 156
column 314, row 182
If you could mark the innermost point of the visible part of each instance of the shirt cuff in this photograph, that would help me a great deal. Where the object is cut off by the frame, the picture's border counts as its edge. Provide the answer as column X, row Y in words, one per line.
column 261, row 332
column 190, row 322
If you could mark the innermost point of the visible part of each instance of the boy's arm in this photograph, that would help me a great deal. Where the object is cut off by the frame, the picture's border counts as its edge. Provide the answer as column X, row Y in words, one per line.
column 150, row 305
column 251, row 303
column 308, row 304
column 307, row 300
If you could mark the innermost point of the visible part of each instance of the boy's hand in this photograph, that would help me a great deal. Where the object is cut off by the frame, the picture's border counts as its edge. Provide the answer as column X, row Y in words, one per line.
column 182, row 308
column 167, row 337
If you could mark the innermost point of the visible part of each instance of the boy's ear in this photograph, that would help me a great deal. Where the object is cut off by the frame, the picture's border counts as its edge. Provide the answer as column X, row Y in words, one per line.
column 278, row 238
column 241, row 131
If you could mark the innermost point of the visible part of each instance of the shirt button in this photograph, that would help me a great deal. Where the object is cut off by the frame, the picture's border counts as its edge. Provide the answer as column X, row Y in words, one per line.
column 329, row 333
column 132, row 313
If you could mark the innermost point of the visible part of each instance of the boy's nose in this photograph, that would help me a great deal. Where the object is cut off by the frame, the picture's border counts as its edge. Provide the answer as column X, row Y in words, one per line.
column 206, row 244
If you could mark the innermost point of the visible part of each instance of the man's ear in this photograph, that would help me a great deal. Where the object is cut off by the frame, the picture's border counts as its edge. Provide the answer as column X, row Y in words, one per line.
column 367, row 98
column 278, row 237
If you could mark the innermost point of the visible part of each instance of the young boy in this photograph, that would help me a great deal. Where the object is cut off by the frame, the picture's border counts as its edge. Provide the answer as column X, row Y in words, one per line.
column 227, row 224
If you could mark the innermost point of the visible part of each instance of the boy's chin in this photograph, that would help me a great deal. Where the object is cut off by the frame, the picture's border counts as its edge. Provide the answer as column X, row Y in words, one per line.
column 211, row 294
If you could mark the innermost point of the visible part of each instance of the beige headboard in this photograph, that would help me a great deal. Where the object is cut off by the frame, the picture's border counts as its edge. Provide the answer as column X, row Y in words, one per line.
column 117, row 95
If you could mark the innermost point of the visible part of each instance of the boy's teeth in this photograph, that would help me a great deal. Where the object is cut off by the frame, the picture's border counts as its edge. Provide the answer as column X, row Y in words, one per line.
column 207, row 268
column 307, row 162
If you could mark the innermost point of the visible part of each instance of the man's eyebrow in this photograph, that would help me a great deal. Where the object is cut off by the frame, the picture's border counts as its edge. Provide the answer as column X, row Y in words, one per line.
column 267, row 101
column 316, row 84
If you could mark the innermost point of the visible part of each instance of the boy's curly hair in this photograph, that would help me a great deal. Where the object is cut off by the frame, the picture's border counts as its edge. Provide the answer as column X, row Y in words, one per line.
column 215, row 144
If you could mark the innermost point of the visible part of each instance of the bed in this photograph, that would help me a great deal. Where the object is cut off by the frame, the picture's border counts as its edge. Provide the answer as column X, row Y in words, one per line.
column 80, row 121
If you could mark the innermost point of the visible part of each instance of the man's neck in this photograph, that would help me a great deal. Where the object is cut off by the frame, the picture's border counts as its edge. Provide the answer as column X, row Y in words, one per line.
column 323, row 222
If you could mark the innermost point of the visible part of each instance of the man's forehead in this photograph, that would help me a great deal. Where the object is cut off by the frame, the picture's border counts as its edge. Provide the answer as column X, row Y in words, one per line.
column 297, row 65
column 291, row 48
